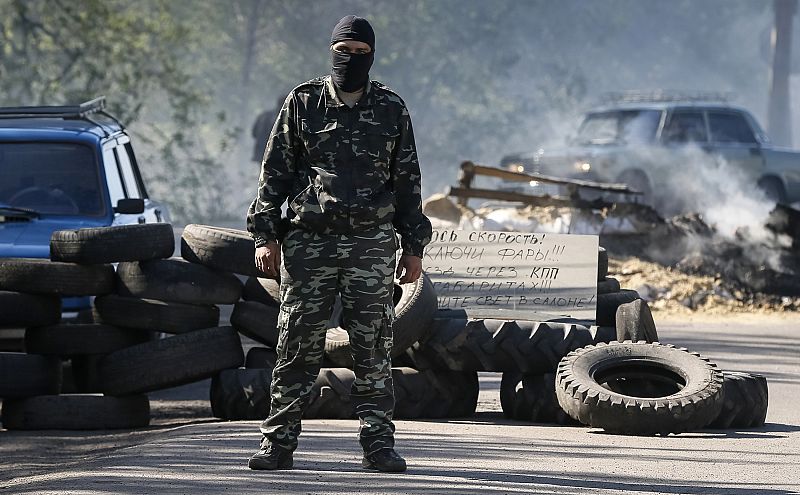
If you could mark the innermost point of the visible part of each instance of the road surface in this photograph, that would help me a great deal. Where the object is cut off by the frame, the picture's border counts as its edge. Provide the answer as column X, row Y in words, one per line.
column 189, row 453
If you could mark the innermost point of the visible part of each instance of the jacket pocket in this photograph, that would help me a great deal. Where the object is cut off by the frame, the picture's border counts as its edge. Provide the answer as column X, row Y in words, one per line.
column 320, row 139
column 380, row 144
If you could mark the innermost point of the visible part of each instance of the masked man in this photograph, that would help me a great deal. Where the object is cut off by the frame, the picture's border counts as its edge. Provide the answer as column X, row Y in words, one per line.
column 342, row 152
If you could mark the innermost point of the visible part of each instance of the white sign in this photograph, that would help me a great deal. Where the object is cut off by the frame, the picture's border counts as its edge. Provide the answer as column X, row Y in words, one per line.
column 514, row 274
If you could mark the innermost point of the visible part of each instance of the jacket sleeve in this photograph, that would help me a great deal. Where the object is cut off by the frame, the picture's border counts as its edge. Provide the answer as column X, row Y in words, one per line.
column 413, row 226
column 277, row 174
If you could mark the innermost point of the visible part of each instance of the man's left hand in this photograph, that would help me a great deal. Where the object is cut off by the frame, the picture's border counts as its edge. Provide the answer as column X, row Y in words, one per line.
column 412, row 266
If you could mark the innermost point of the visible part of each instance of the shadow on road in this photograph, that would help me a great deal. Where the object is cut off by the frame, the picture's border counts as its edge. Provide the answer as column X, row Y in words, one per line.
column 213, row 460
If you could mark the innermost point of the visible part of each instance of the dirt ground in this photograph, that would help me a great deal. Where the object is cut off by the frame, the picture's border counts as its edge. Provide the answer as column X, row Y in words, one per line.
column 671, row 292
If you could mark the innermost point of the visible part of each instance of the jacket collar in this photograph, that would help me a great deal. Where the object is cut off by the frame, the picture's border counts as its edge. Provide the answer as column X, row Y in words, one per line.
column 332, row 98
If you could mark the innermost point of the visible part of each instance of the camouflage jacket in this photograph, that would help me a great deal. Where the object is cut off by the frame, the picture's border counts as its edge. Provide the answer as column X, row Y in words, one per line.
column 342, row 169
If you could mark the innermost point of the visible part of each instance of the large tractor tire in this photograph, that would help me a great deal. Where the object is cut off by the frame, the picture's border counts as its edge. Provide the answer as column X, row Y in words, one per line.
column 529, row 347
column 746, row 398
column 639, row 388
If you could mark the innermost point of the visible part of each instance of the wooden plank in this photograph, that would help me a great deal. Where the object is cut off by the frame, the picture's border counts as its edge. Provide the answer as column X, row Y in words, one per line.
column 501, row 173
column 528, row 199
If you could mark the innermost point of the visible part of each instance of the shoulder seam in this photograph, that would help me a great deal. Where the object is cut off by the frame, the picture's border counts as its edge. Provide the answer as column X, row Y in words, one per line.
column 317, row 81
column 381, row 86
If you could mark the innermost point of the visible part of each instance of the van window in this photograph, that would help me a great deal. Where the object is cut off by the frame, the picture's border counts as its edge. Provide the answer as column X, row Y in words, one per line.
column 730, row 127
column 113, row 179
column 50, row 178
column 686, row 127
column 128, row 176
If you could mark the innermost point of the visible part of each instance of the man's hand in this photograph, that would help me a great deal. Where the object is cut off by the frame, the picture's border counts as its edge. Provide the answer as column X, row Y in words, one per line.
column 268, row 259
column 413, row 268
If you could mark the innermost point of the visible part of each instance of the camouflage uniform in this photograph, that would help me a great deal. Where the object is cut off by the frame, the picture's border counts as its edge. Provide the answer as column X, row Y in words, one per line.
column 351, row 177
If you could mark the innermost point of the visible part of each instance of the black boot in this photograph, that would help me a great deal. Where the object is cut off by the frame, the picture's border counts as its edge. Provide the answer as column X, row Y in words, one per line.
column 271, row 457
column 384, row 460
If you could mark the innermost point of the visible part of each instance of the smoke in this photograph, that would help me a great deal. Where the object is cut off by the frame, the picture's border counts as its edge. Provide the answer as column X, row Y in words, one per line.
column 690, row 180
column 723, row 195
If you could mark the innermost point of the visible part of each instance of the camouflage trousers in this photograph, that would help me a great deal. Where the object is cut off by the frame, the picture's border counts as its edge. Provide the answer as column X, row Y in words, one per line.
column 314, row 268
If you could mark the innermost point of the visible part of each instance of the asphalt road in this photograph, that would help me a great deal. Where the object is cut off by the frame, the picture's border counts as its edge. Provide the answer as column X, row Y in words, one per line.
column 485, row 454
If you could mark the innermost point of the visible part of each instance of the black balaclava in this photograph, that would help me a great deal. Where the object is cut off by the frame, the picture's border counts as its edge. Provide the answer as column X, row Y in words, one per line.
column 350, row 72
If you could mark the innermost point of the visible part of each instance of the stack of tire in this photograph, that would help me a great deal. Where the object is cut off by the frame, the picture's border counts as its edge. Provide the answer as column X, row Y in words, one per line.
column 630, row 384
column 458, row 341
column 439, row 353
column 115, row 359
column 244, row 393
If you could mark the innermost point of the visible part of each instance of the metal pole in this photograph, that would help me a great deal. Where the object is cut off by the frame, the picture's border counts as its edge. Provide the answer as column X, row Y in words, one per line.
column 778, row 112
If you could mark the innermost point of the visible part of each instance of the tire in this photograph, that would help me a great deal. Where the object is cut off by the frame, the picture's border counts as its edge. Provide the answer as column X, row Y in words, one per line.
column 25, row 310
column 337, row 347
column 76, row 340
column 418, row 394
column 85, row 371
column 330, row 395
column 502, row 345
column 647, row 397
column 607, row 305
column 26, row 375
column 415, row 304
column 239, row 394
column 170, row 362
column 450, row 394
column 260, row 357
column 414, row 307
column 176, row 280
column 257, row 321
column 607, row 286
column 41, row 276
column 113, row 244
column 76, row 412
column 746, row 398
column 634, row 322
column 224, row 249
column 262, row 290
column 532, row 398
column 149, row 314
column 602, row 263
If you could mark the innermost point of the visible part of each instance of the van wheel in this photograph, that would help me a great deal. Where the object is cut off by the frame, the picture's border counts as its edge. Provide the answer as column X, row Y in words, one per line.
column 773, row 189
column 637, row 180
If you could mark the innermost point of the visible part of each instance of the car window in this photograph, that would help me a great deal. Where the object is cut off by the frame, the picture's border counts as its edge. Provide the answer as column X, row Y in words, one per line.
column 128, row 176
column 624, row 126
column 686, row 127
column 115, row 190
column 51, row 178
column 730, row 127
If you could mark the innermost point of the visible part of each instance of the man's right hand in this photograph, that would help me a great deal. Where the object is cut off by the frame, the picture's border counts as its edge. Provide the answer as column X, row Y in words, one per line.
column 268, row 259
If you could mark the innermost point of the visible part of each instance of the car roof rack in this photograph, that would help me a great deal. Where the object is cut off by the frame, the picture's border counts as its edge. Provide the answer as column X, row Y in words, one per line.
column 82, row 111
column 63, row 111
column 663, row 96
